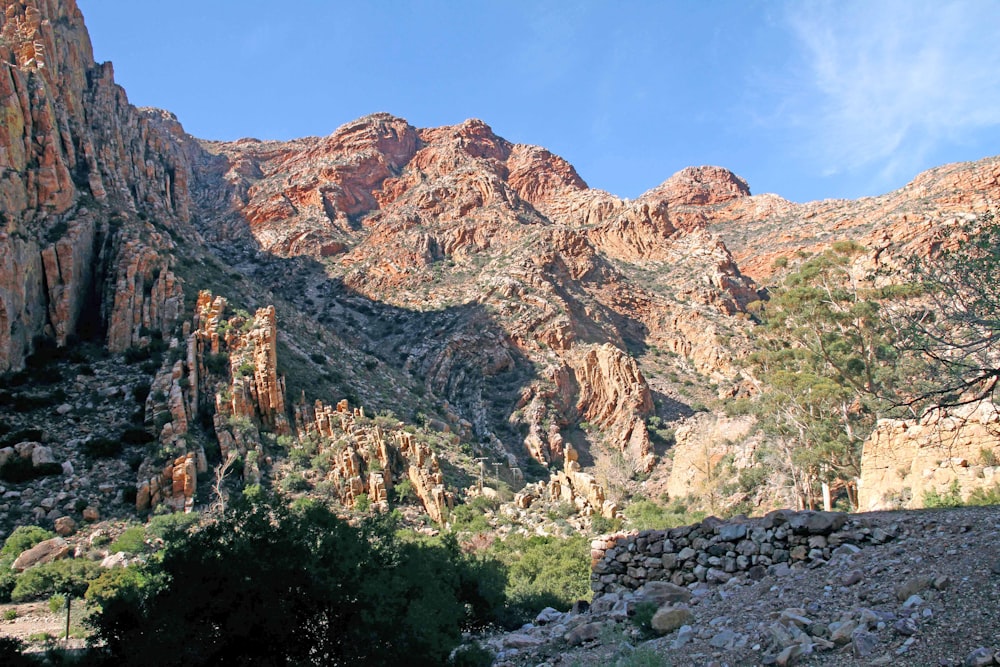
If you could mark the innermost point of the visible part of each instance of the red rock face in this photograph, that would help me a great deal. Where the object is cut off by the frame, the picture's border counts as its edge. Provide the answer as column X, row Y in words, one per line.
column 70, row 140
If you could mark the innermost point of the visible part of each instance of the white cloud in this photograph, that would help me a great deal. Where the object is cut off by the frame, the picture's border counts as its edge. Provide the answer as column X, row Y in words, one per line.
column 882, row 84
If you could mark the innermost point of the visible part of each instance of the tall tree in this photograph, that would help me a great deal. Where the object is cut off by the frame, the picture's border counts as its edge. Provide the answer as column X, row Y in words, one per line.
column 951, row 323
column 823, row 357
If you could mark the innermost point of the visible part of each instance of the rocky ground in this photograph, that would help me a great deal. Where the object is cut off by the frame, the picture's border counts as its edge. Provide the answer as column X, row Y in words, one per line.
column 929, row 596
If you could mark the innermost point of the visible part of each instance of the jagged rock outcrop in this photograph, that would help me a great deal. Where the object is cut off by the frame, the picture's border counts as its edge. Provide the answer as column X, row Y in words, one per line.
column 613, row 394
column 71, row 143
column 364, row 458
column 903, row 460
column 570, row 485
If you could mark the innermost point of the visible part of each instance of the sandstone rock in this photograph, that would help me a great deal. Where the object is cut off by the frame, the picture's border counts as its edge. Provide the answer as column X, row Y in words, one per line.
column 65, row 526
column 669, row 618
column 980, row 657
column 43, row 552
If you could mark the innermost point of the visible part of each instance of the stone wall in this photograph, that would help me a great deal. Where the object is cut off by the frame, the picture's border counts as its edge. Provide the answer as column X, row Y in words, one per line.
column 714, row 550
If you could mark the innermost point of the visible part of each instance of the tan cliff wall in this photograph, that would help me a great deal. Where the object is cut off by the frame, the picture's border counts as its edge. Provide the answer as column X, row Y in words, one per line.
column 902, row 460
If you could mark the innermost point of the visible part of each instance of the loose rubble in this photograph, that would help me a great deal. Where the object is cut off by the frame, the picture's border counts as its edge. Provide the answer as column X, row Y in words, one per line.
column 921, row 593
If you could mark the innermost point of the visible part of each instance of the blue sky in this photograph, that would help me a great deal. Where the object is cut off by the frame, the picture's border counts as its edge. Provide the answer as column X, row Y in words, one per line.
column 809, row 100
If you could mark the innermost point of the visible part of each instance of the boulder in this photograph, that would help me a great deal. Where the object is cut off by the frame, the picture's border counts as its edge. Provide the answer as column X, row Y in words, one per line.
column 667, row 619
column 43, row 552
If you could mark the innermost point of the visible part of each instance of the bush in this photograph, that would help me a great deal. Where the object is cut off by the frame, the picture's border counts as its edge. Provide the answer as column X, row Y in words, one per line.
column 69, row 576
column 643, row 617
column 950, row 498
column 544, row 571
column 294, row 483
column 321, row 592
column 22, row 539
column 57, row 603
column 132, row 541
column 172, row 526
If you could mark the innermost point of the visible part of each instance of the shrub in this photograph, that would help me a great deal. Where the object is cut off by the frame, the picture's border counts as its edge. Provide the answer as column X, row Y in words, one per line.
column 950, row 498
column 131, row 541
column 57, row 602
column 294, row 483
column 69, row 576
column 172, row 526
column 985, row 496
column 9, row 615
column 323, row 592
column 102, row 448
column 989, row 457
column 544, row 571
column 643, row 617
column 22, row 539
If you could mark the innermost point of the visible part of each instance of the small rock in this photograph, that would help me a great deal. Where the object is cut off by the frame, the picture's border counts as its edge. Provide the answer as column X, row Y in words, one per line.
column 662, row 592
column 548, row 615
column 64, row 409
column 515, row 640
column 981, row 657
column 791, row 654
column 853, row 577
column 905, row 626
column 668, row 619
column 863, row 643
column 91, row 513
column 119, row 559
column 913, row 601
column 583, row 633
column 65, row 526
column 913, row 586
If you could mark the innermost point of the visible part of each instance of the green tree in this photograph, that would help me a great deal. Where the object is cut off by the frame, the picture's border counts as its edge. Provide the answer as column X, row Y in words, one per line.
column 268, row 584
column 952, row 323
column 824, row 356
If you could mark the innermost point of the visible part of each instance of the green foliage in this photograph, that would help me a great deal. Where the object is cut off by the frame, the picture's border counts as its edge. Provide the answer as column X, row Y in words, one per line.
column 649, row 515
column 69, row 576
column 826, row 354
column 988, row 457
column 468, row 519
column 601, row 525
column 171, row 526
column 293, row 483
column 132, row 541
column 9, row 614
column 22, row 539
column 265, row 584
column 362, row 503
column 544, row 571
column 57, row 603
column 953, row 328
column 471, row 655
column 643, row 617
column 985, row 496
column 950, row 498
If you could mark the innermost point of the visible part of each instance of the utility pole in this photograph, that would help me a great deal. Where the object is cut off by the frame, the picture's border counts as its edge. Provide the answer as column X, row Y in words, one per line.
column 496, row 467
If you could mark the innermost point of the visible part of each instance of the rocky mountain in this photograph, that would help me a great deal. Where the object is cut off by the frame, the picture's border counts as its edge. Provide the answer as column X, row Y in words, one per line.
column 383, row 305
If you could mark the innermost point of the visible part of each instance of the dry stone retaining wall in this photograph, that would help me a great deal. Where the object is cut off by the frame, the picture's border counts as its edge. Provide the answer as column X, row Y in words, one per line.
column 714, row 550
